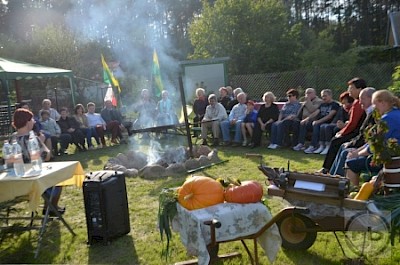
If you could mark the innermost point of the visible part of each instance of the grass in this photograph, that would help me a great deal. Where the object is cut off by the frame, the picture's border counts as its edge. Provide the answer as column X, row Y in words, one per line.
column 143, row 245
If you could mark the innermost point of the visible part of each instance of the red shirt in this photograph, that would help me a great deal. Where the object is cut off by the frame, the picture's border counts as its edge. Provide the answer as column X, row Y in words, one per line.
column 355, row 113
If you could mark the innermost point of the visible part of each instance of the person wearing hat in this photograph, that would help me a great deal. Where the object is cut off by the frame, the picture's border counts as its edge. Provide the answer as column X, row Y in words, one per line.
column 248, row 123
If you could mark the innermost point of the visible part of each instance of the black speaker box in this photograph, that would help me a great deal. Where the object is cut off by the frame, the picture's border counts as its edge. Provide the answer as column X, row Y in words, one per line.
column 106, row 205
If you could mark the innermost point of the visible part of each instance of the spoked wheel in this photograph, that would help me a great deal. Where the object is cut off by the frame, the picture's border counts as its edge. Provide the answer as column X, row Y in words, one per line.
column 293, row 232
column 367, row 233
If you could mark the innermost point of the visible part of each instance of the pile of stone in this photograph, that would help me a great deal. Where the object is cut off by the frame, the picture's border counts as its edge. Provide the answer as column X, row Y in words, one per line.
column 135, row 163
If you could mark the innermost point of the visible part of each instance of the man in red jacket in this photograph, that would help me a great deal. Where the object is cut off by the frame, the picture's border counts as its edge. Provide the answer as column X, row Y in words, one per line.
column 356, row 117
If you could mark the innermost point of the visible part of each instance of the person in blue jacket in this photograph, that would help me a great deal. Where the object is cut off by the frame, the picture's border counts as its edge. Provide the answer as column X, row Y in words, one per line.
column 358, row 160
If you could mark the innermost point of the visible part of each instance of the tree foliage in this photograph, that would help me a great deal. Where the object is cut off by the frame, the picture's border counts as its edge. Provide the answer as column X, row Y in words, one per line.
column 259, row 36
column 255, row 34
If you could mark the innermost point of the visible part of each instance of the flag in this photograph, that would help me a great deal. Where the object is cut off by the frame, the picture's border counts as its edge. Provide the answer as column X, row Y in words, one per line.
column 108, row 75
column 110, row 96
column 158, row 86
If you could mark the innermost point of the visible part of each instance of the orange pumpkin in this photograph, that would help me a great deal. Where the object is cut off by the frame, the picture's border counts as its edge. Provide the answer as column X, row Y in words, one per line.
column 248, row 192
column 199, row 192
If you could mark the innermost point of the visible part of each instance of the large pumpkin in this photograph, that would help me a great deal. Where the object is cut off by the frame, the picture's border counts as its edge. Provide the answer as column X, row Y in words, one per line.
column 247, row 192
column 199, row 192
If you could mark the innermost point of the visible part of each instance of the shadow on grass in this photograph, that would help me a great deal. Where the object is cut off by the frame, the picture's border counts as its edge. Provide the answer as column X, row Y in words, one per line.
column 119, row 251
column 299, row 257
column 270, row 156
column 171, row 182
column 22, row 246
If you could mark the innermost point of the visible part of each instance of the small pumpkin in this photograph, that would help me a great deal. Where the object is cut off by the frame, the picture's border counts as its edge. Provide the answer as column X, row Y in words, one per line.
column 199, row 192
column 248, row 191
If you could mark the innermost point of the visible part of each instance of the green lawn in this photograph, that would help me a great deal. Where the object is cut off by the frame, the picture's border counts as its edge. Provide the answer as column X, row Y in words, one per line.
column 143, row 245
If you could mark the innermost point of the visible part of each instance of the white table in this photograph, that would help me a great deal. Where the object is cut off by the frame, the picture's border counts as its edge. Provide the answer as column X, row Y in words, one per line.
column 33, row 185
column 53, row 174
column 237, row 220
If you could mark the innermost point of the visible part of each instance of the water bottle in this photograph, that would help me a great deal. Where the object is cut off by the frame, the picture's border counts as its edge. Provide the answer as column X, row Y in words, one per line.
column 19, row 167
column 34, row 152
column 7, row 154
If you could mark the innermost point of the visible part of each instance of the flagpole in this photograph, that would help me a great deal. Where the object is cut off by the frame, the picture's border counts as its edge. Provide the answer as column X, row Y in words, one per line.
column 119, row 97
column 151, row 80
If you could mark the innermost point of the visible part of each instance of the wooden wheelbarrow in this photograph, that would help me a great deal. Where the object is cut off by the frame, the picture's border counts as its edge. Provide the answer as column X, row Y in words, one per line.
column 213, row 246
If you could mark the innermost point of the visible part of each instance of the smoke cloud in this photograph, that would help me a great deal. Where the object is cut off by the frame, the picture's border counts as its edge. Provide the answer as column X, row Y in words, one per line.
column 132, row 30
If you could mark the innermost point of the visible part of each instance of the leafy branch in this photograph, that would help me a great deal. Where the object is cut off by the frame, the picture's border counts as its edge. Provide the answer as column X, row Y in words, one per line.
column 166, row 212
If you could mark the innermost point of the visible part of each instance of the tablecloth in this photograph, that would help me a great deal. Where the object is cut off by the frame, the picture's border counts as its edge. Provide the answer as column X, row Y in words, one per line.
column 52, row 174
column 236, row 220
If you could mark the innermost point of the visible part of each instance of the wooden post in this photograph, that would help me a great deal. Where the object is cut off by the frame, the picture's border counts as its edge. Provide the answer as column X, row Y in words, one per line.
column 185, row 115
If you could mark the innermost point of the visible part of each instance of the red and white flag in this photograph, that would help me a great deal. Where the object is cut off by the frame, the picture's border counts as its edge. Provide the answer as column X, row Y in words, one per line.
column 110, row 96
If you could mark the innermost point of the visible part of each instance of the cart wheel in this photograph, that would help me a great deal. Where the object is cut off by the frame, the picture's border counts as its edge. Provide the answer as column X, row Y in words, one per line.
column 367, row 233
column 295, row 240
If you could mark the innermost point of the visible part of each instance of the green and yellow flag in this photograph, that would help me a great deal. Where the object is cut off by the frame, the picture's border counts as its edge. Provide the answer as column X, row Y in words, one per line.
column 108, row 75
column 158, row 85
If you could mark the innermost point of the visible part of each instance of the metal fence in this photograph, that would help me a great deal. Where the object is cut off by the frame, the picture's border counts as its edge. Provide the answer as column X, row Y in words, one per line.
column 255, row 85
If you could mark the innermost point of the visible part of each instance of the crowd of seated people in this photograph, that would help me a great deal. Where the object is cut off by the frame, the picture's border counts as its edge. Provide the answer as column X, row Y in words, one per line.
column 55, row 136
column 387, row 105
column 61, row 129
column 338, row 165
column 336, row 130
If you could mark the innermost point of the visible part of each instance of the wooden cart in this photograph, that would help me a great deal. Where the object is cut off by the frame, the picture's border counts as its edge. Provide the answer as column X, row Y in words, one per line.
column 327, row 209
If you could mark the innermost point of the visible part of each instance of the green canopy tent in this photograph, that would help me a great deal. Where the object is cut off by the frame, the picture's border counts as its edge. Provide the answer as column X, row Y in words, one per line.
column 12, row 70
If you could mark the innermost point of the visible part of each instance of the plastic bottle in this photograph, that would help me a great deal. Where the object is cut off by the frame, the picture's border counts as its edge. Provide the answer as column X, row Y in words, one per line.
column 19, row 167
column 34, row 152
column 365, row 192
column 7, row 154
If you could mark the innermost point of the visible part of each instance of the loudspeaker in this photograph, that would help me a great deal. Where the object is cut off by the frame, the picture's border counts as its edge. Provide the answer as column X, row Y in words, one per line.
column 106, row 205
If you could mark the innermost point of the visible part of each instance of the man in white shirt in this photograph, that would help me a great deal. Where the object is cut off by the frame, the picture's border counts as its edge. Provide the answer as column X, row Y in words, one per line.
column 235, row 118
column 96, row 121
column 215, row 113
column 46, row 105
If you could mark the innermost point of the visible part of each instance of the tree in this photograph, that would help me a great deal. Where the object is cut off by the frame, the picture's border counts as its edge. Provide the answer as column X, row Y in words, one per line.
column 254, row 34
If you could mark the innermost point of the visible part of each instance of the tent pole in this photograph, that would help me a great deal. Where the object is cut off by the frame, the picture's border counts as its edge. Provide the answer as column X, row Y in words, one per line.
column 71, row 84
column 5, row 83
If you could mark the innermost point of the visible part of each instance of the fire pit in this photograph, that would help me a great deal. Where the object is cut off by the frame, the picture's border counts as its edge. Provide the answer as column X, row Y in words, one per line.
column 159, row 162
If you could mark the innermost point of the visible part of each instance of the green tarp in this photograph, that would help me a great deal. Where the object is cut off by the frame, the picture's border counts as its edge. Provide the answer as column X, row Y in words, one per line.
column 16, row 70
